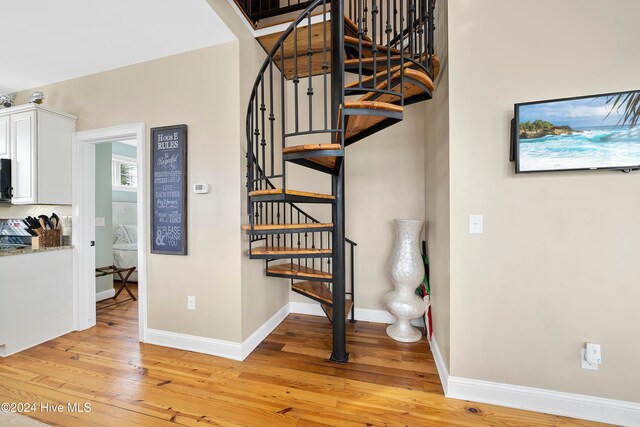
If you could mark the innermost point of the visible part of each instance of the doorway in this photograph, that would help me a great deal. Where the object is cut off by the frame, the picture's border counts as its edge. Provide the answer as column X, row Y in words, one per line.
column 86, row 143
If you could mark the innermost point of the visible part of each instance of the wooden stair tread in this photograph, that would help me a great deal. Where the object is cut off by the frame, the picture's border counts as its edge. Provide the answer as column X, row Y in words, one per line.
column 271, row 227
column 275, row 191
column 328, row 310
column 381, row 63
column 292, row 269
column 410, row 89
column 354, row 29
column 280, row 250
column 315, row 290
column 373, row 105
column 369, row 44
column 367, row 79
column 326, row 161
column 367, row 62
column 310, row 147
column 317, row 43
column 358, row 124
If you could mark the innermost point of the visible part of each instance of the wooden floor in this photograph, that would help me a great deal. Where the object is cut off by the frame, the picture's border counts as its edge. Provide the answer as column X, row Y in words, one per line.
column 285, row 381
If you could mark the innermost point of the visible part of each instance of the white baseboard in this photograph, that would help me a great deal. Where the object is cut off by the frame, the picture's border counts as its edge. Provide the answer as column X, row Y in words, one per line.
column 536, row 399
column 109, row 293
column 263, row 331
column 214, row 347
column 547, row 401
column 312, row 309
column 364, row 314
column 228, row 349
column 376, row 316
column 443, row 372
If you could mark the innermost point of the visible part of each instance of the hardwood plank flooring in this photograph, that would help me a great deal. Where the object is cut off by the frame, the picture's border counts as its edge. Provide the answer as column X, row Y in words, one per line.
column 286, row 381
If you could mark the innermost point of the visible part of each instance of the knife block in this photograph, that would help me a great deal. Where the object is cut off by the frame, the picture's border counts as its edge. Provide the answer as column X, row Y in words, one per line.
column 48, row 239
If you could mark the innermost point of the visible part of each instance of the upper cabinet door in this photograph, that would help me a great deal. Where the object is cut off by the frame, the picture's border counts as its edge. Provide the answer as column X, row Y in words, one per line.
column 24, row 168
column 5, row 142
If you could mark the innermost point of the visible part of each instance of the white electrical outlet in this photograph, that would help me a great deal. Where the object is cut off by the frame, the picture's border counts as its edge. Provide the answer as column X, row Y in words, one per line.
column 585, row 364
column 475, row 224
column 191, row 303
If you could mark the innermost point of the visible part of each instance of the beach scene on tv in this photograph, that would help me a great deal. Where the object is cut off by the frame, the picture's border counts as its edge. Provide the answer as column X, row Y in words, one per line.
column 595, row 132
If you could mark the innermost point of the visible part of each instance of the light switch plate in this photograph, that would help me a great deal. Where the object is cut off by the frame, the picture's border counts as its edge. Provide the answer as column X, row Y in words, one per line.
column 100, row 222
column 475, row 224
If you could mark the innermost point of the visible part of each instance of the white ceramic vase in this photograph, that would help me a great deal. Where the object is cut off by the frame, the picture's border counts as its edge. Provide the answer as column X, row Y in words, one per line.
column 406, row 270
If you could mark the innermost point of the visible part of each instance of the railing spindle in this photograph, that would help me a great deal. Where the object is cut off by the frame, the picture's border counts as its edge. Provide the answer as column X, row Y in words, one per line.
column 310, row 88
column 272, row 117
column 296, row 80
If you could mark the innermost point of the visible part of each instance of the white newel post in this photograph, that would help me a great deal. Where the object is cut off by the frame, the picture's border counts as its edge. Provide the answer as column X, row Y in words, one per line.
column 406, row 271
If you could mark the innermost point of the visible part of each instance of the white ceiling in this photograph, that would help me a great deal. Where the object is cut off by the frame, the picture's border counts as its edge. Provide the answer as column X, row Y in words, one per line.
column 45, row 41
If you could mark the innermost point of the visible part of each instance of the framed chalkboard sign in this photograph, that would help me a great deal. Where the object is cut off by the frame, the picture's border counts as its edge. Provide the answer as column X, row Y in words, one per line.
column 169, row 190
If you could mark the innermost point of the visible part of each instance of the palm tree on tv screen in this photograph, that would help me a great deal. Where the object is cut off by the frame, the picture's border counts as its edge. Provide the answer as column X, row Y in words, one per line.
column 630, row 101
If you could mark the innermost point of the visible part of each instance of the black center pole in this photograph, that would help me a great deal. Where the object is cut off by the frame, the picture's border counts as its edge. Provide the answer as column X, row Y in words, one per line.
column 339, row 353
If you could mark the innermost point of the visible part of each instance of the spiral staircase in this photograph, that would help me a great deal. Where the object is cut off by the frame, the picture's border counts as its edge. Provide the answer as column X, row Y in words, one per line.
column 338, row 74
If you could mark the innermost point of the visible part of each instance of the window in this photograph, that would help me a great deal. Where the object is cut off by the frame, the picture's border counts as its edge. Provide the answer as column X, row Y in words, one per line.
column 124, row 173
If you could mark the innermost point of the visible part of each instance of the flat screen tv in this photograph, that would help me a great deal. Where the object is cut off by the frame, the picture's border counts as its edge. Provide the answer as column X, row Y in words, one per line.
column 587, row 132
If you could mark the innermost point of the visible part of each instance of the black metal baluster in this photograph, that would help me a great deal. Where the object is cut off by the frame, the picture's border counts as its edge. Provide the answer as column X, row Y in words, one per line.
column 257, row 144
column 325, row 64
column 364, row 19
column 360, row 32
column 283, row 116
column 374, row 46
column 278, row 222
column 296, row 80
column 410, row 27
column 431, row 45
column 298, row 232
column 353, row 283
column 263, row 142
column 395, row 18
column 402, row 52
column 420, row 31
column 249, row 165
column 381, row 25
column 291, row 219
column 310, row 88
column 388, row 32
column 313, row 246
column 306, row 241
column 272, row 117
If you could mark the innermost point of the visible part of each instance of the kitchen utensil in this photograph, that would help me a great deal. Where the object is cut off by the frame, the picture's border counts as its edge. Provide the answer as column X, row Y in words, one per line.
column 55, row 218
column 47, row 222
column 28, row 228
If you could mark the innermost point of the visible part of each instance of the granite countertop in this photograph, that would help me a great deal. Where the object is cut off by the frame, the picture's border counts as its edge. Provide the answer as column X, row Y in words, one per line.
column 28, row 250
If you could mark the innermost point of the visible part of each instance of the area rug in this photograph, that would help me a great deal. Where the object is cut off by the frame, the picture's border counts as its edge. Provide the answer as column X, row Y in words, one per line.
column 10, row 419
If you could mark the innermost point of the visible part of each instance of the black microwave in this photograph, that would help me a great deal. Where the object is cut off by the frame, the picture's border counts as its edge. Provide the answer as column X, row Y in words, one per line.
column 6, row 190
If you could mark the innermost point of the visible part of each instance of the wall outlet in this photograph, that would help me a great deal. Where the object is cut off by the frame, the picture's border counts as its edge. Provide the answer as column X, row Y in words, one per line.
column 585, row 364
column 191, row 303
column 475, row 224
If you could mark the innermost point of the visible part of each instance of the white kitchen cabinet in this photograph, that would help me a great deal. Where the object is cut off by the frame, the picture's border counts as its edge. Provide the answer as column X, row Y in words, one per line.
column 36, row 299
column 5, row 142
column 40, row 149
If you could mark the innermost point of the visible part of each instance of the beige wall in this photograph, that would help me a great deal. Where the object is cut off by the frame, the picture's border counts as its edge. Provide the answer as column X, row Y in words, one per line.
column 557, row 265
column 437, row 190
column 261, row 297
column 200, row 89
